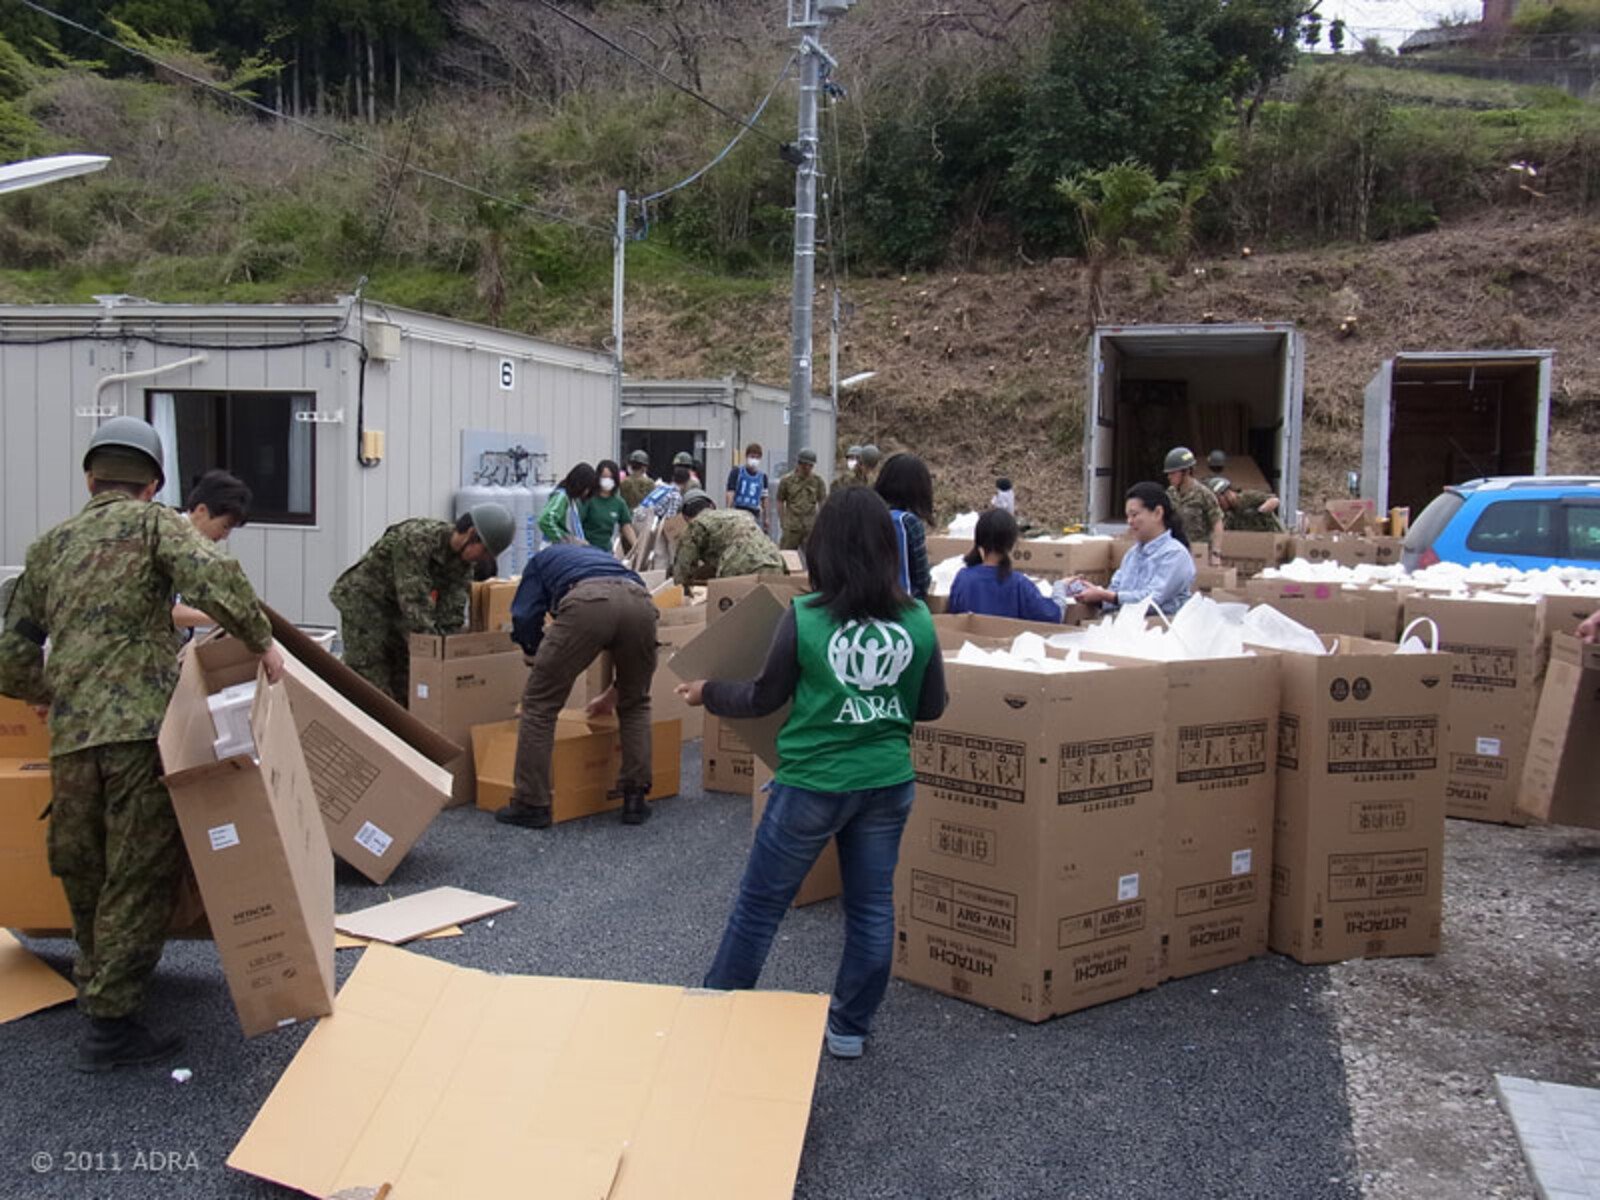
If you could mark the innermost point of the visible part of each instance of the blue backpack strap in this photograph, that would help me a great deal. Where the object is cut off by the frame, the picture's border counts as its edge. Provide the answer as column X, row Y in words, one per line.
column 905, row 548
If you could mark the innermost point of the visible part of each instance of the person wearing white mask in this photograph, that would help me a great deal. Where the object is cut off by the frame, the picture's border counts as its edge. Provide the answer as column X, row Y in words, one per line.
column 606, row 513
column 747, row 486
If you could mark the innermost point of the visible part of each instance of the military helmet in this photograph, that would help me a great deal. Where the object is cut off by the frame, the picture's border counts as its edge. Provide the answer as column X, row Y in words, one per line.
column 1219, row 485
column 639, row 459
column 8, row 586
column 809, row 456
column 853, row 452
column 495, row 525
column 1216, row 460
column 683, row 459
column 696, row 500
column 1180, row 458
column 124, row 434
column 870, row 454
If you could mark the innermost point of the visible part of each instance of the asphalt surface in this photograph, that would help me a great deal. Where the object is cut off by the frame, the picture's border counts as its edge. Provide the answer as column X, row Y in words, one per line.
column 1228, row 1084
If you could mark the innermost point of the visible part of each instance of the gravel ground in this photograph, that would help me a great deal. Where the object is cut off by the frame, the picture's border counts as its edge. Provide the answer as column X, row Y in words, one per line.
column 1229, row 1084
column 1516, row 991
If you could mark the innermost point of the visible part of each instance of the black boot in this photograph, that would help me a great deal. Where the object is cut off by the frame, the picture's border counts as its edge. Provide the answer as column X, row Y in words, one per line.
column 635, row 808
column 526, row 815
column 124, row 1042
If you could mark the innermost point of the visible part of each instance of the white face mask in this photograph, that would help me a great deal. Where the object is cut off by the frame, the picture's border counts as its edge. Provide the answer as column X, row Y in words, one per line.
column 852, row 463
column 607, row 484
column 753, row 463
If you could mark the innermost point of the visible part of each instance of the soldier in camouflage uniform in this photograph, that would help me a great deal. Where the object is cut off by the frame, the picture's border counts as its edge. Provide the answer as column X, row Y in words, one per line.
column 99, row 587
column 720, row 544
column 638, row 484
column 416, row 578
column 1192, row 502
column 800, row 494
column 854, row 473
column 1254, row 512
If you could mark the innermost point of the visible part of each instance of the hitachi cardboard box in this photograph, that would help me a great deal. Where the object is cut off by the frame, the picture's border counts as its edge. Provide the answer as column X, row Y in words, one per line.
column 444, row 1083
column 1221, row 785
column 460, row 681
column 379, row 773
column 1358, row 836
column 256, row 842
column 1029, row 877
column 1561, row 776
column 1498, row 646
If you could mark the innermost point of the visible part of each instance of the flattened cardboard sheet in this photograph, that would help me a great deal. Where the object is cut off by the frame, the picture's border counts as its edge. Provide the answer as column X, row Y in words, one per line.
column 448, row 1083
column 343, row 941
column 27, row 984
column 412, row 917
column 735, row 648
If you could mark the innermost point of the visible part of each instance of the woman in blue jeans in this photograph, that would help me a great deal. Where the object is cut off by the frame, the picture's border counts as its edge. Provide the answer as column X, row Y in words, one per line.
column 859, row 660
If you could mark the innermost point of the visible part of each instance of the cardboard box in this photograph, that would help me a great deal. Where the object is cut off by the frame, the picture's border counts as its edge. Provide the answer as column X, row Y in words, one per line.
column 665, row 704
column 490, row 610
column 460, row 681
column 584, row 763
column 1358, row 834
column 256, row 842
column 1349, row 516
column 448, row 1082
column 1251, row 553
column 23, row 732
column 30, row 897
column 379, row 773
column 823, row 881
column 988, row 632
column 1563, row 613
column 723, row 594
column 727, row 764
column 1029, row 877
column 1499, row 660
column 1563, row 762
column 1036, row 556
column 1208, row 579
column 1338, row 614
column 1221, row 788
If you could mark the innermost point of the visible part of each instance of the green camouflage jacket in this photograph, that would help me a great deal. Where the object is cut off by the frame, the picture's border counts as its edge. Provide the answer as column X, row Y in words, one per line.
column 409, row 581
column 1199, row 510
column 1246, row 515
column 99, row 586
column 730, row 542
column 802, row 497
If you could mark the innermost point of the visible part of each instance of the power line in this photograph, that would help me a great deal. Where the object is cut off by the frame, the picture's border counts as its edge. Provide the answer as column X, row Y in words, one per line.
column 329, row 134
column 652, row 68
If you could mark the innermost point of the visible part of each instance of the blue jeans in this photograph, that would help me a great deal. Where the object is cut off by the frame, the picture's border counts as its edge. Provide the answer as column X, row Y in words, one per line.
column 793, row 832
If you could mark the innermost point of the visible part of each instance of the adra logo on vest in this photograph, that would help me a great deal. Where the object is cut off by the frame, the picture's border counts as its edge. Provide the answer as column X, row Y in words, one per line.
column 868, row 656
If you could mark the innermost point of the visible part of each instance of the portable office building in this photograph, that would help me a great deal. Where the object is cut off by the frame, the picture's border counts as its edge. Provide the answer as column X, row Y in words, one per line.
column 343, row 418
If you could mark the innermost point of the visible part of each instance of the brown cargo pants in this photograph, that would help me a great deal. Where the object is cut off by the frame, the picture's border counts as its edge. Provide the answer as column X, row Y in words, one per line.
column 598, row 614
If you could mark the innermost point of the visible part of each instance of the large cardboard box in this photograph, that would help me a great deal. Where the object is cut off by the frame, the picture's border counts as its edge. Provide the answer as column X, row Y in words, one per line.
column 676, row 628
column 490, row 610
column 1499, row 649
column 1358, row 836
column 30, row 897
column 460, row 681
column 1561, row 775
column 256, row 842
column 1346, row 550
column 727, row 764
column 1221, row 788
column 823, row 881
column 1251, row 553
column 1210, row 579
column 723, row 594
column 1563, row 613
column 23, row 732
column 1030, row 877
column 985, row 631
column 1338, row 614
column 1036, row 556
column 448, row 1082
column 585, row 760
column 379, row 773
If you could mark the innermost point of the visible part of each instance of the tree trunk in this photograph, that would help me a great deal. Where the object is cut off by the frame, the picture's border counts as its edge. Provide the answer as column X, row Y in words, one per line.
column 322, row 81
column 372, row 81
column 397, row 75
column 299, row 111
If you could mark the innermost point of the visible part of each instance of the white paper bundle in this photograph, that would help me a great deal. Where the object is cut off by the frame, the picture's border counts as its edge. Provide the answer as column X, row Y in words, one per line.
column 230, row 718
column 963, row 525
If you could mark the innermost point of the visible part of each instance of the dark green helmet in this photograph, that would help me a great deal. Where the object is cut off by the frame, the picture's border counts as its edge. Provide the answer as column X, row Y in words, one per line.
column 870, row 454
column 809, row 456
column 1180, row 458
column 495, row 525
column 683, row 459
column 639, row 458
column 122, row 445
column 1219, row 485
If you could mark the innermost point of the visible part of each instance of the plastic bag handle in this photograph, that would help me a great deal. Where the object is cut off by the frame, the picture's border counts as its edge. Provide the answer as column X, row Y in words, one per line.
column 1430, row 623
column 1148, row 605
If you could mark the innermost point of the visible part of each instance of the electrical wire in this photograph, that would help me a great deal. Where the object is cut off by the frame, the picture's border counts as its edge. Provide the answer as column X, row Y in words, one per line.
column 652, row 68
column 331, row 135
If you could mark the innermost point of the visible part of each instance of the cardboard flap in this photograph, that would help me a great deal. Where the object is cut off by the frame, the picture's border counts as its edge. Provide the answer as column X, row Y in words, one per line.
column 735, row 648
column 440, row 749
column 448, row 1082
column 412, row 917
column 27, row 984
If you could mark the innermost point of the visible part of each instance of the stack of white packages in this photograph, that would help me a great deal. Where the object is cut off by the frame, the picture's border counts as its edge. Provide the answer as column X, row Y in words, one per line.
column 963, row 525
column 230, row 717
column 1446, row 576
column 1027, row 653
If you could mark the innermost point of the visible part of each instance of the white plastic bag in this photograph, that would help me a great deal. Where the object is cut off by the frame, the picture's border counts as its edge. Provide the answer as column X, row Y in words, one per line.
column 1414, row 645
column 1203, row 630
column 1268, row 627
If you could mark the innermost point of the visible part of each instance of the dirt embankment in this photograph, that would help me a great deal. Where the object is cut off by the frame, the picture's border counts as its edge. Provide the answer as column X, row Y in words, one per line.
column 983, row 373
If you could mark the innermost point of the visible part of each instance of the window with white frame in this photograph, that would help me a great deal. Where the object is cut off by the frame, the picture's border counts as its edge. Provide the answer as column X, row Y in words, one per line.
column 258, row 436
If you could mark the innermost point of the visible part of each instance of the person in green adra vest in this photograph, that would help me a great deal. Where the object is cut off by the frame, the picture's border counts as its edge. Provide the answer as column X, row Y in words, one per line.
column 859, row 659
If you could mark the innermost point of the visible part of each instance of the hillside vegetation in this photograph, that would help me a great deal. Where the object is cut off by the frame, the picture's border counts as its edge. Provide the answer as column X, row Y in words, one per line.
column 1441, row 212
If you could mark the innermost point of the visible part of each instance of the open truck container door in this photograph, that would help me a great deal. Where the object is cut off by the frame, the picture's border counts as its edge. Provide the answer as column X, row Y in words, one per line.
column 1437, row 418
column 1235, row 388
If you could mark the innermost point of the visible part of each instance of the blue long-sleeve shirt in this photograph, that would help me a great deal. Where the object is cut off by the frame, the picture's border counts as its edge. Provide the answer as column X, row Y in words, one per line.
column 548, row 577
column 1161, row 569
column 980, row 589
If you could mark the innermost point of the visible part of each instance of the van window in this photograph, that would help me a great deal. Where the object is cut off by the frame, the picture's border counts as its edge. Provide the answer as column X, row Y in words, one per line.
column 254, row 435
column 1528, row 527
column 1583, row 531
column 1432, row 520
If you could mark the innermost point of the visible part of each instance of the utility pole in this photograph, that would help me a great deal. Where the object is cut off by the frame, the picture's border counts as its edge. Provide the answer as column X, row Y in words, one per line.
column 807, row 16
column 618, row 265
